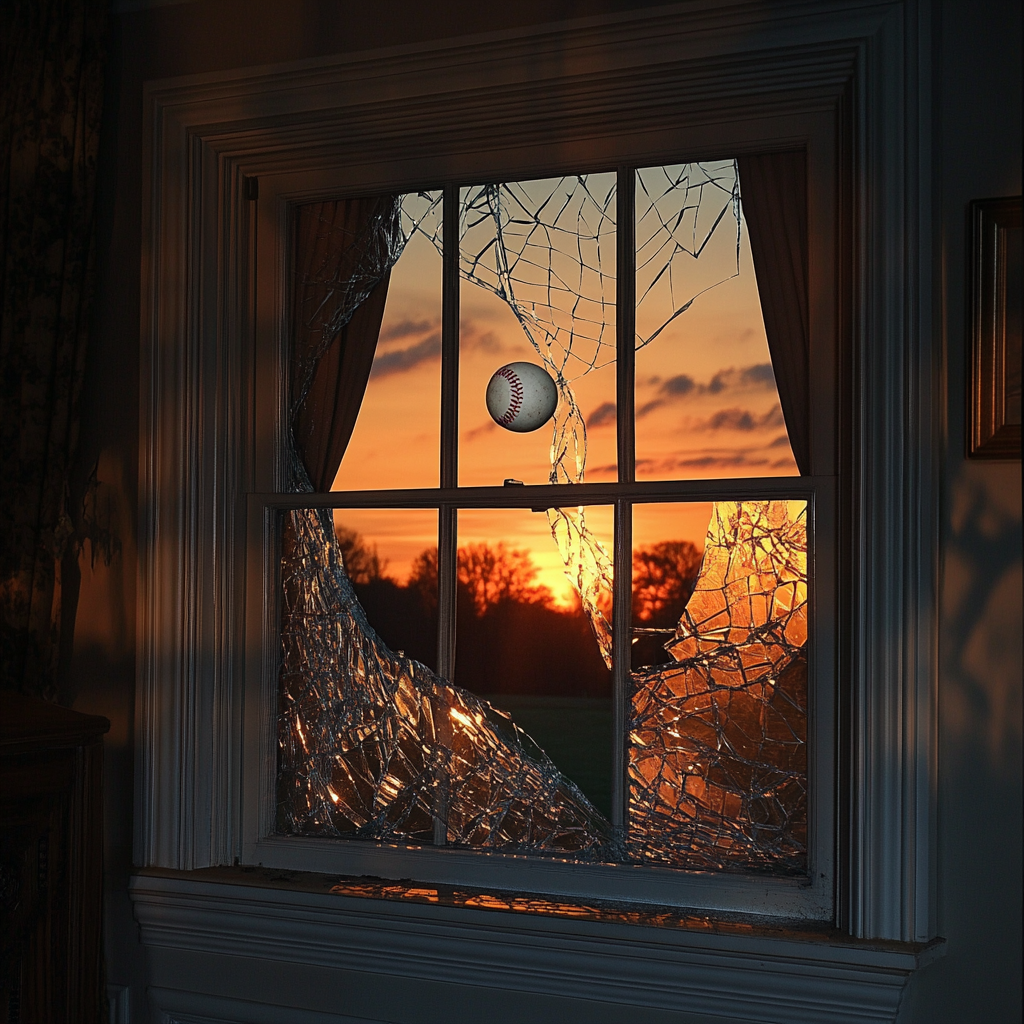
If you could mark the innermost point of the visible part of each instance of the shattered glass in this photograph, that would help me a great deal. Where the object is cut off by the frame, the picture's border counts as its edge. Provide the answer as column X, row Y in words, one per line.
column 377, row 746
column 680, row 210
column 717, row 751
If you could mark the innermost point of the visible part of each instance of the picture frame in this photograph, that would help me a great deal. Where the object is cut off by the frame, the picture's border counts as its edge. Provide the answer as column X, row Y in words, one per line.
column 994, row 388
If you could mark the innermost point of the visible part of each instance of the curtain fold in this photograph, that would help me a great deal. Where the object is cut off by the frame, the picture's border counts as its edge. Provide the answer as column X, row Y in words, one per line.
column 774, row 194
column 344, row 250
column 51, row 62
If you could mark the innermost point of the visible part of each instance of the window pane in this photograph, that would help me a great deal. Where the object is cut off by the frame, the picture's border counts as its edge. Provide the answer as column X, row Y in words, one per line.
column 717, row 753
column 374, row 745
column 538, row 266
column 389, row 556
column 706, row 400
column 396, row 440
column 525, row 644
column 668, row 542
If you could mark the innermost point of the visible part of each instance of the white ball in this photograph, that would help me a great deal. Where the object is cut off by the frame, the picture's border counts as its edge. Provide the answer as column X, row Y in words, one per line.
column 521, row 397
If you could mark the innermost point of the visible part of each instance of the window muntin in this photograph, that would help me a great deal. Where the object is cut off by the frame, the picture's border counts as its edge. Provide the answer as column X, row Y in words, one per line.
column 591, row 837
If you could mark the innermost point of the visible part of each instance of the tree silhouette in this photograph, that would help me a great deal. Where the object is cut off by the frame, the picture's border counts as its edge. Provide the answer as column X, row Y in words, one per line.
column 496, row 574
column 663, row 579
column 487, row 574
column 362, row 563
column 664, row 575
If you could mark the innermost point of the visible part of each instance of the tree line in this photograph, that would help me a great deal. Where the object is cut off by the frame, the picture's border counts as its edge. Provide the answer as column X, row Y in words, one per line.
column 511, row 637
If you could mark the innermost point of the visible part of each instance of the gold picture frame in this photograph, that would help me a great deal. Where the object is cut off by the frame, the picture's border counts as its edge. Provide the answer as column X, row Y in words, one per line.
column 994, row 390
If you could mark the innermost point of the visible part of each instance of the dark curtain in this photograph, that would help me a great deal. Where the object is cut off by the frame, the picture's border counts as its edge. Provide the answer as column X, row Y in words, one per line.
column 344, row 250
column 52, row 54
column 774, row 195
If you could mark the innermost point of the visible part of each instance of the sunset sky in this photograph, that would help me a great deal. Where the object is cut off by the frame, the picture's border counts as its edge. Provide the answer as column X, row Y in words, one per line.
column 706, row 401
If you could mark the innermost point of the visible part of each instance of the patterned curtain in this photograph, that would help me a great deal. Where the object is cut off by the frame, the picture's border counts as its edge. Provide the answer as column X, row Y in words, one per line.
column 51, row 59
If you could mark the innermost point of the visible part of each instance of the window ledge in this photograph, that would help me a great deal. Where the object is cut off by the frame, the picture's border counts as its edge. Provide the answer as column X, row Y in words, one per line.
column 239, row 923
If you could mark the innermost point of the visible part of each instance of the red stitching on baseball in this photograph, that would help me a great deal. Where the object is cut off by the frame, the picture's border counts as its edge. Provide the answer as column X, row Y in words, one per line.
column 515, row 397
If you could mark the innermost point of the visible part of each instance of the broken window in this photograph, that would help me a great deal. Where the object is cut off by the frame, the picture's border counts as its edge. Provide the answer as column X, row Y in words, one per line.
column 453, row 670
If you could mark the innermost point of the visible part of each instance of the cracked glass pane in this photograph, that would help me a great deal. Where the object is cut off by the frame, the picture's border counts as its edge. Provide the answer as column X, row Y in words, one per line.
column 375, row 745
column 717, row 752
column 707, row 404
column 541, row 255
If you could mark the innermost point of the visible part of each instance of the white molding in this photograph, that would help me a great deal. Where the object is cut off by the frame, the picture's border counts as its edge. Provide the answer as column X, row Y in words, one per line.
column 773, row 980
column 600, row 87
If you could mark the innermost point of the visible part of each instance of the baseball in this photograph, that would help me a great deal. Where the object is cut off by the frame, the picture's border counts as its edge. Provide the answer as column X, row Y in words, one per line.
column 521, row 397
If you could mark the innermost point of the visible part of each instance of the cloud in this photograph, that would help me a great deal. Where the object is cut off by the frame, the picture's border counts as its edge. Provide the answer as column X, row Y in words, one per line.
column 743, row 419
column 759, row 376
column 486, row 342
column 604, row 413
column 481, row 431
column 671, row 467
column 405, row 359
column 407, row 329
column 731, row 419
column 782, row 441
column 677, row 386
column 473, row 337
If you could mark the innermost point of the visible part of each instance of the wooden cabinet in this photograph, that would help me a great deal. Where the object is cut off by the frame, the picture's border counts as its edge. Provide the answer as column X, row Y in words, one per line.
column 51, row 863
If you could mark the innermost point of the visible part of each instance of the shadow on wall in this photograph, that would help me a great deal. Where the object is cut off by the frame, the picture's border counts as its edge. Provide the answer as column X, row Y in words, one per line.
column 981, row 615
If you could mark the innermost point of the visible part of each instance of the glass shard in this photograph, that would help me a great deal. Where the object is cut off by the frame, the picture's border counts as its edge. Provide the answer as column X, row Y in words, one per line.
column 717, row 744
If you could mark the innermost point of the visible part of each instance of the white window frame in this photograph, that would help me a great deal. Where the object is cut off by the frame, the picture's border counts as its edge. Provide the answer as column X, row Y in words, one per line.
column 388, row 118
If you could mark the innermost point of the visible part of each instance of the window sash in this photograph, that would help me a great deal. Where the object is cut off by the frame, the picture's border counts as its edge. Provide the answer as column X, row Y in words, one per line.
column 809, row 897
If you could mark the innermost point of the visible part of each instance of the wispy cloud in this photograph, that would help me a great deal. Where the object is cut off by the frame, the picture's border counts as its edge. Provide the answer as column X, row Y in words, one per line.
column 481, row 431
column 604, row 413
column 743, row 419
column 681, row 384
column 407, row 329
column 648, row 407
column 758, row 377
column 472, row 336
column 405, row 359
column 708, row 460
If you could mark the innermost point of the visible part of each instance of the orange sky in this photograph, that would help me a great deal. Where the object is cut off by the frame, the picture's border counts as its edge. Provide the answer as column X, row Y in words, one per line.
column 706, row 405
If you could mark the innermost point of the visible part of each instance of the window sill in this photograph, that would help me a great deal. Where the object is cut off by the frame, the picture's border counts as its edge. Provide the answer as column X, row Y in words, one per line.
column 219, row 934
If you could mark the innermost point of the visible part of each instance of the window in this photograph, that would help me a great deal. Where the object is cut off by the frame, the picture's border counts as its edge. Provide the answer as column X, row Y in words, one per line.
column 656, row 713
column 852, row 91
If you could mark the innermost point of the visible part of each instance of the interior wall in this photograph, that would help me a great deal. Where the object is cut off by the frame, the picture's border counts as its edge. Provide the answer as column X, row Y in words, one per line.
column 979, row 153
column 980, row 794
